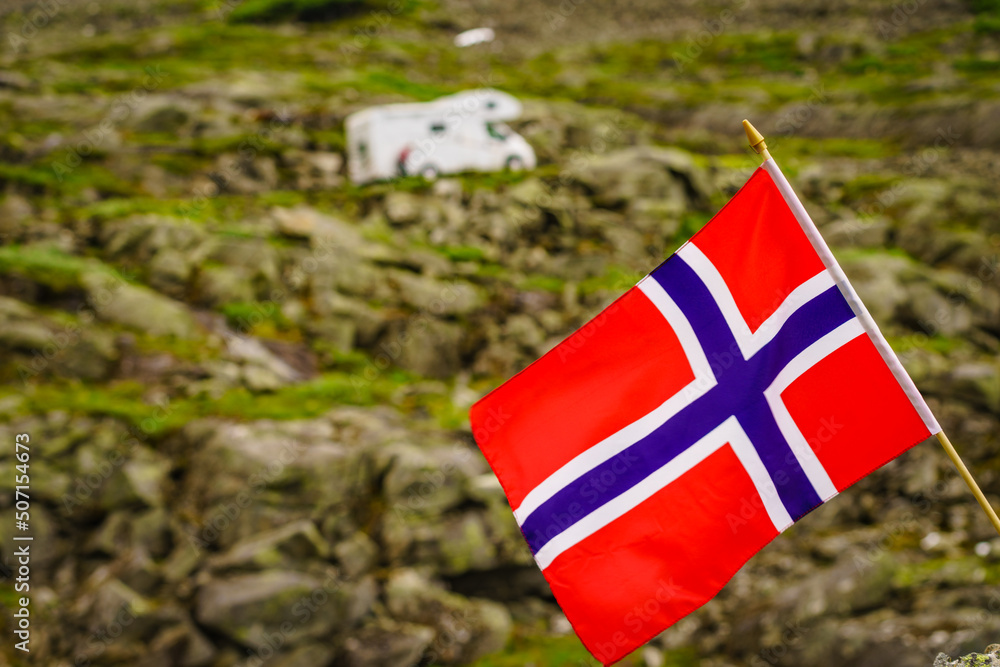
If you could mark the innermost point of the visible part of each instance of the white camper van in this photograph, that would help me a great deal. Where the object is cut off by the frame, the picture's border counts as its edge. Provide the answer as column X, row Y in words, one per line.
column 461, row 132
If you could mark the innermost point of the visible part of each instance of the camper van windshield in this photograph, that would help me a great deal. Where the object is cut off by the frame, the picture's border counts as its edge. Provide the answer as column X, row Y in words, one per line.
column 498, row 131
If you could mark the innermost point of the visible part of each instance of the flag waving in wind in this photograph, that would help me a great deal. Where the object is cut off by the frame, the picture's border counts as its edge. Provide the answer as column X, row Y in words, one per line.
column 736, row 388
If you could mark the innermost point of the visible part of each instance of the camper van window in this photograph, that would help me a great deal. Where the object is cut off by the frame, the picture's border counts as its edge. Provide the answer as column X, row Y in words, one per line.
column 498, row 132
column 437, row 128
column 491, row 105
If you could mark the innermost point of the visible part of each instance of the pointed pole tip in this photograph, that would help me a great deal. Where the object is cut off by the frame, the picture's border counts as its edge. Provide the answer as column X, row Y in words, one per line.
column 756, row 140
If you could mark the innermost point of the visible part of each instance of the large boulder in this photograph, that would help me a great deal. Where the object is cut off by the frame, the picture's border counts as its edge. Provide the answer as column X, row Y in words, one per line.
column 880, row 281
column 282, row 547
column 644, row 172
column 403, row 208
column 219, row 285
column 385, row 642
column 426, row 481
column 261, row 369
column 435, row 297
column 139, row 239
column 314, row 170
column 356, row 555
column 40, row 345
column 139, row 308
column 466, row 629
column 556, row 128
column 307, row 655
column 990, row 658
column 240, row 475
column 252, row 608
column 427, row 346
column 162, row 115
column 452, row 545
column 977, row 384
column 141, row 481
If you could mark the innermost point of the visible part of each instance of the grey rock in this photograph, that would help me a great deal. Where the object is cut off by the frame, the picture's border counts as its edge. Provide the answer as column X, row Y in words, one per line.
column 467, row 629
column 183, row 561
column 89, row 356
column 929, row 310
column 314, row 170
column 68, row 349
column 385, row 642
column 555, row 128
column 339, row 333
column 338, row 268
column 356, row 555
column 15, row 211
column 250, row 608
column 125, row 237
column 531, row 192
column 15, row 81
column 139, row 308
column 262, row 370
column 329, row 234
column 429, row 347
column 453, row 544
column 880, row 282
column 141, row 480
column 120, row 622
column 151, row 532
column 188, row 646
column 166, row 119
column 991, row 658
column 298, row 541
column 25, row 335
column 358, row 321
column 425, row 481
column 259, row 379
column 140, row 573
column 467, row 545
column 447, row 188
column 617, row 178
column 402, row 208
column 256, row 259
column 247, row 466
column 319, row 654
column 244, row 174
column 142, row 239
column 12, row 309
column 865, row 232
column 977, row 384
column 222, row 376
column 436, row 297
column 219, row 285
column 299, row 222
column 112, row 602
column 658, row 217
column 112, row 536
column 524, row 330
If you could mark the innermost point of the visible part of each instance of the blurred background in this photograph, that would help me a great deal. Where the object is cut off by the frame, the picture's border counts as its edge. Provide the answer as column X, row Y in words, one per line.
column 246, row 380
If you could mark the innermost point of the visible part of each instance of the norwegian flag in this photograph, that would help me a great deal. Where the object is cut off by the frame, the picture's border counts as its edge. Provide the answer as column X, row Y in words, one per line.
column 733, row 390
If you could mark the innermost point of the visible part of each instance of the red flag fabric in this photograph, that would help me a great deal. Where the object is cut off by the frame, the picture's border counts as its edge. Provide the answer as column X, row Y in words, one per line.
column 734, row 389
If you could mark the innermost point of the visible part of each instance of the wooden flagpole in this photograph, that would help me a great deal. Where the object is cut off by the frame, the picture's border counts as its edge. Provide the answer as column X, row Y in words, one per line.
column 967, row 476
column 759, row 146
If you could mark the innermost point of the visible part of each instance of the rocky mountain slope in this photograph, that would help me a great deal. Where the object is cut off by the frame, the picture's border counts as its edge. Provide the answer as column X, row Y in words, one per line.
column 246, row 381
